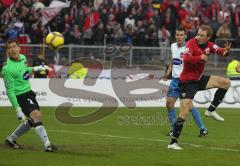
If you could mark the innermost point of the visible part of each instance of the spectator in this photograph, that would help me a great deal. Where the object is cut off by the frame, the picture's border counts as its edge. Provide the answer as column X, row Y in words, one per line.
column 98, row 35
column 224, row 30
column 152, row 36
column 40, row 60
column 224, row 14
column 77, row 71
column 193, row 31
column 213, row 10
column 140, row 33
column 67, row 34
column 129, row 21
column 232, row 70
column 138, row 16
column 36, row 34
column 128, row 33
column 109, row 33
column 236, row 19
column 118, row 33
column 104, row 16
column 163, row 35
column 183, row 12
column 76, row 35
column 13, row 32
column 158, row 18
column 170, row 21
column 187, row 23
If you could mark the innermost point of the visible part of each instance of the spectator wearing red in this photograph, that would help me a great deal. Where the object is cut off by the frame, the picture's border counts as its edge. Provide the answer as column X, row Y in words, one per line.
column 187, row 23
column 236, row 16
column 183, row 12
column 214, row 10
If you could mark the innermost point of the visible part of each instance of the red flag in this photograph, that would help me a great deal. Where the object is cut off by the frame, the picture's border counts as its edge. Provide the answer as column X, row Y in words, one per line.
column 91, row 21
column 7, row 3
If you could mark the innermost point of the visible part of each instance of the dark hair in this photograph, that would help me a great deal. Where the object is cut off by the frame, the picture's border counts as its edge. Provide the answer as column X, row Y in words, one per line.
column 181, row 29
column 207, row 28
column 11, row 41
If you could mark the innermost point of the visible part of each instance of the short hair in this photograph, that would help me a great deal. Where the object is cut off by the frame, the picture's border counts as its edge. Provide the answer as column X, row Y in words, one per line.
column 208, row 29
column 181, row 29
column 11, row 41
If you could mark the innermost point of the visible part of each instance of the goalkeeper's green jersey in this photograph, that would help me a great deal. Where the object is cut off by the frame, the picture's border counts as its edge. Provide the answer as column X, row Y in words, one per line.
column 16, row 76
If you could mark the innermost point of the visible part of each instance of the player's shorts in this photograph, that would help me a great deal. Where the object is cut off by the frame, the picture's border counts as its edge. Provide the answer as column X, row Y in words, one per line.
column 28, row 102
column 173, row 89
column 189, row 89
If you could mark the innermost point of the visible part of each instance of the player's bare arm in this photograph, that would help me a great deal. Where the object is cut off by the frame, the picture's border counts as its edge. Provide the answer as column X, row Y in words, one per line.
column 168, row 72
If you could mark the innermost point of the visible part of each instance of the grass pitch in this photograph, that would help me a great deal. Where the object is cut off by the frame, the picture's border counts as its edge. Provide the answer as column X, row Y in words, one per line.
column 127, row 137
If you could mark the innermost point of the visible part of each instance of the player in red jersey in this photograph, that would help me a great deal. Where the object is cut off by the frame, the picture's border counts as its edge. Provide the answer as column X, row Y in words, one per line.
column 192, row 79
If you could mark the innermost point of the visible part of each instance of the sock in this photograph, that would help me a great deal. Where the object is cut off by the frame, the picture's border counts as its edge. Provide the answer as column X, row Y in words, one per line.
column 172, row 117
column 41, row 132
column 178, row 125
column 218, row 97
column 197, row 118
column 22, row 129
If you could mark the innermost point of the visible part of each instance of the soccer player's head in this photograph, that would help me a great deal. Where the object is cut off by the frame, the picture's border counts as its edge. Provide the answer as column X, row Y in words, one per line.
column 12, row 49
column 204, row 34
column 180, row 35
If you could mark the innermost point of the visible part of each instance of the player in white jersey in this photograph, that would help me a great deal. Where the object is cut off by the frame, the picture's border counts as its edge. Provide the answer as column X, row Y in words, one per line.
column 173, row 93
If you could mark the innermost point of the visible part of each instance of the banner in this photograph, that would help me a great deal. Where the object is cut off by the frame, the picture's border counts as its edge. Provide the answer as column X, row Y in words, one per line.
column 104, row 86
column 52, row 10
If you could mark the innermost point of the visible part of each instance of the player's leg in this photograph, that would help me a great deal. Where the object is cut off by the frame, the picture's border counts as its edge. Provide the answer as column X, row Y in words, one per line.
column 172, row 96
column 187, row 93
column 185, row 106
column 223, row 85
column 22, row 128
column 11, row 140
column 171, row 112
column 30, row 108
column 198, row 120
column 36, row 117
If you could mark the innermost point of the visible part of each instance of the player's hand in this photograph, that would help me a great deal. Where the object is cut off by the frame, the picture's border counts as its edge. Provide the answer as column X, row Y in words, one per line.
column 204, row 57
column 227, row 48
column 41, row 68
column 20, row 115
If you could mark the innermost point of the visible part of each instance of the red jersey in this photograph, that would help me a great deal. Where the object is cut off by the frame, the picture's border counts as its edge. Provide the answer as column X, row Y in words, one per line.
column 193, row 66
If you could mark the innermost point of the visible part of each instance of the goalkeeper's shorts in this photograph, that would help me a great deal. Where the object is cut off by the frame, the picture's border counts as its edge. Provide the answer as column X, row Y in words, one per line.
column 28, row 102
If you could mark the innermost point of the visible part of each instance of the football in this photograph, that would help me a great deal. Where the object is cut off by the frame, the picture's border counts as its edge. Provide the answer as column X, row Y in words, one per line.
column 54, row 40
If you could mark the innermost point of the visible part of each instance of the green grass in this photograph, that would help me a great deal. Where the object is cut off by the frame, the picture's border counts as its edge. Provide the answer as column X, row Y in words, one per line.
column 117, row 140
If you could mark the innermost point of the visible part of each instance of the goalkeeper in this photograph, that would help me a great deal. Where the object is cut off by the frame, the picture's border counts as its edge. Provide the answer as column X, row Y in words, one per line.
column 16, row 76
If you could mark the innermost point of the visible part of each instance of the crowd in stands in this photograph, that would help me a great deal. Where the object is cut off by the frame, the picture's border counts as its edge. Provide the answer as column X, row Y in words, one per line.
column 138, row 22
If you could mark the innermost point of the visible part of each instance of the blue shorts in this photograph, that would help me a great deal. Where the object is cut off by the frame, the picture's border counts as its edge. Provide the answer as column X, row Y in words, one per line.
column 174, row 90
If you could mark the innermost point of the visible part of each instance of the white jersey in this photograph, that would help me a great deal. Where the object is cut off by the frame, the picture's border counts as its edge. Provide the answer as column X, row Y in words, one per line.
column 177, row 61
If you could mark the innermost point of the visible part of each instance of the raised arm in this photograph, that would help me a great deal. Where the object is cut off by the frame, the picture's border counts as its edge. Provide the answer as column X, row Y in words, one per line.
column 221, row 51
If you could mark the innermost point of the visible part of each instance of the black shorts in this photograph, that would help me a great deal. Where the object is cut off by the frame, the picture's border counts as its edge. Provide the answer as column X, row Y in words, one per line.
column 189, row 89
column 28, row 102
